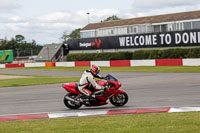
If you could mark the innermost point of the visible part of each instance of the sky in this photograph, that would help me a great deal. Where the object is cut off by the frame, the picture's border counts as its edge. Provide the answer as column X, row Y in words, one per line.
column 46, row 20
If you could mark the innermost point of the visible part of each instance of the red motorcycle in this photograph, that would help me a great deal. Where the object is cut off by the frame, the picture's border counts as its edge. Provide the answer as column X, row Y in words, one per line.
column 74, row 99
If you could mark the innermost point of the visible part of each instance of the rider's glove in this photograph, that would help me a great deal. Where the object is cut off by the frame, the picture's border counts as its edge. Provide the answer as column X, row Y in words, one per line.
column 104, row 78
column 106, row 88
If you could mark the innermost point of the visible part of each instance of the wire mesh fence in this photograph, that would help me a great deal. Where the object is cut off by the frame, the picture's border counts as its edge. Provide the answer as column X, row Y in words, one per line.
column 25, row 56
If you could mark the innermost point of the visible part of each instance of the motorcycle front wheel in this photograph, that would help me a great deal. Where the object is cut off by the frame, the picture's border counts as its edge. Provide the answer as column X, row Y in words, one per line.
column 119, row 100
column 71, row 104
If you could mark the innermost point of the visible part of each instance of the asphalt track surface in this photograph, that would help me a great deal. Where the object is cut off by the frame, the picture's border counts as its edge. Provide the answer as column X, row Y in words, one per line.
column 144, row 89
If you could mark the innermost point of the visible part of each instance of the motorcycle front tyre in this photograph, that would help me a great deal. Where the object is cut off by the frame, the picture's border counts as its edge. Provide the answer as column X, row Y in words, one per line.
column 119, row 100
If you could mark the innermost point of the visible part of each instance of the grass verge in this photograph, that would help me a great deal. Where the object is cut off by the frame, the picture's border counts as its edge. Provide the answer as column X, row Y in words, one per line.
column 36, row 80
column 143, row 123
column 121, row 69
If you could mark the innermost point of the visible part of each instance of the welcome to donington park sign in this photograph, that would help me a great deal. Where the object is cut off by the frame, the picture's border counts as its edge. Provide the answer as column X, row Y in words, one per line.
column 164, row 39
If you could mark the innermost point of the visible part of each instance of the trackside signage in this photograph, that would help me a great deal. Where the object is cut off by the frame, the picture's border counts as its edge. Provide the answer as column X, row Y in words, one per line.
column 96, row 44
column 167, row 39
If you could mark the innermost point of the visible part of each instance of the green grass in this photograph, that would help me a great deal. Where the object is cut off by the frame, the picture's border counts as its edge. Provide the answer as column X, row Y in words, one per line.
column 121, row 69
column 36, row 80
column 142, row 123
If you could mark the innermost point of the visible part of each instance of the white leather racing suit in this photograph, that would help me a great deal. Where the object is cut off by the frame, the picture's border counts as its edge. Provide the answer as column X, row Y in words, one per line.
column 86, row 80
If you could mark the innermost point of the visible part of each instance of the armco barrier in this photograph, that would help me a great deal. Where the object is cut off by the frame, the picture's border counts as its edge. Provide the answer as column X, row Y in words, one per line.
column 2, row 66
column 65, row 64
column 169, row 62
column 143, row 63
column 114, row 63
column 191, row 62
column 101, row 63
column 14, row 65
column 82, row 63
column 120, row 63
column 34, row 64
column 50, row 64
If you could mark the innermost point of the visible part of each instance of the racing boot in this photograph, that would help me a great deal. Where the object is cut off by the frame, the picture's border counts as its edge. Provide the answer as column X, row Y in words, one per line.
column 84, row 98
column 92, row 98
column 88, row 99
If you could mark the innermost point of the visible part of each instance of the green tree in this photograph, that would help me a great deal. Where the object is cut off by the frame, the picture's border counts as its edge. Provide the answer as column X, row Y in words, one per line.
column 12, row 44
column 75, row 33
column 19, row 38
column 65, row 37
column 111, row 18
column 20, row 46
column 3, row 44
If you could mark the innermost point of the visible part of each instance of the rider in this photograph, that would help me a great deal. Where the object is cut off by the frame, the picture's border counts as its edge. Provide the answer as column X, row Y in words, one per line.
column 87, row 79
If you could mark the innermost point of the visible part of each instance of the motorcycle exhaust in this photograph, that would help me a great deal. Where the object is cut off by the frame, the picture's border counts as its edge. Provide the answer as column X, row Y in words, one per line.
column 72, row 100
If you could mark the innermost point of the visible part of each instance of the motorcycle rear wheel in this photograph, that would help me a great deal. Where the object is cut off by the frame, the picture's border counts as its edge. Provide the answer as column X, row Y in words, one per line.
column 70, row 104
column 119, row 100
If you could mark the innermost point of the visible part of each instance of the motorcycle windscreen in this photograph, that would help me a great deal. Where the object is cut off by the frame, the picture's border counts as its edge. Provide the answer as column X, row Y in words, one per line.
column 111, row 78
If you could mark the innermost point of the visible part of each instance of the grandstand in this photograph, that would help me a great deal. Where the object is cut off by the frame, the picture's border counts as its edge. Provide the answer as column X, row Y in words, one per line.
column 52, row 53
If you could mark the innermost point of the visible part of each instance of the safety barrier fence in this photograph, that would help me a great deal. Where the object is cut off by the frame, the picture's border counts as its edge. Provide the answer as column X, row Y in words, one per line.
column 113, row 63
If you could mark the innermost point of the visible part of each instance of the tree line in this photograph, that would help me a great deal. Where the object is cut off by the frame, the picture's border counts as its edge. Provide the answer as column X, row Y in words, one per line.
column 20, row 46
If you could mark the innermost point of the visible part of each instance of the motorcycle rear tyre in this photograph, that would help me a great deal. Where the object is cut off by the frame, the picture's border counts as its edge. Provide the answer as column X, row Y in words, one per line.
column 71, row 104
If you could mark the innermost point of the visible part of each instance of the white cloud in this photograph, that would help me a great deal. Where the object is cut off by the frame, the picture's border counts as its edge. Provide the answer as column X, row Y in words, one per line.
column 15, row 18
column 44, row 29
column 56, row 16
column 154, row 7
column 144, row 5
column 99, row 15
column 48, row 27
column 104, row 12
column 54, row 24
column 7, row 6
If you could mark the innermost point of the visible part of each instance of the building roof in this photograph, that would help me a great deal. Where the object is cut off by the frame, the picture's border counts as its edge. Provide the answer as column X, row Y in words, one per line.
column 146, row 20
column 48, row 52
